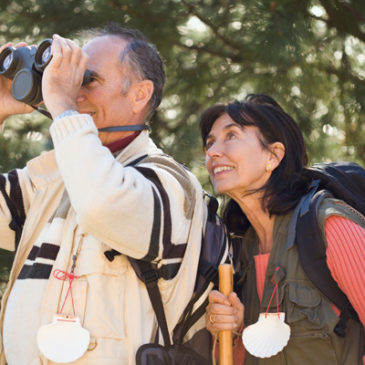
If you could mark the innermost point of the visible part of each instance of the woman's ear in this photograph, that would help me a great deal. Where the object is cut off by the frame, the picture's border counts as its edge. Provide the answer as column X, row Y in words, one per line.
column 140, row 94
column 277, row 150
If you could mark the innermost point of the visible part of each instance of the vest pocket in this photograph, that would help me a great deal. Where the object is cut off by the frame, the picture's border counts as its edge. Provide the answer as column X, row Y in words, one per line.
column 303, row 304
column 311, row 349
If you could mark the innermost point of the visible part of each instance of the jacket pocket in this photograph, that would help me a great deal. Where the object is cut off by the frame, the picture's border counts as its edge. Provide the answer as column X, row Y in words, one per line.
column 303, row 304
column 99, row 291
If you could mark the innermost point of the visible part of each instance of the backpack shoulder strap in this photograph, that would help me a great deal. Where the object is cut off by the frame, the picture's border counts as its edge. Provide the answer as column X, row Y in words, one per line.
column 214, row 243
column 312, row 253
column 17, row 217
column 147, row 272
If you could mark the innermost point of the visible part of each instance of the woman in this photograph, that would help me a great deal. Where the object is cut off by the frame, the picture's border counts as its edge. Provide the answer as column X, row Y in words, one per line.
column 255, row 155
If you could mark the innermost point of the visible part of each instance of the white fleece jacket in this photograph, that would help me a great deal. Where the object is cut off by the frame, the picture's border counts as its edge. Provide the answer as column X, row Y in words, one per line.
column 153, row 211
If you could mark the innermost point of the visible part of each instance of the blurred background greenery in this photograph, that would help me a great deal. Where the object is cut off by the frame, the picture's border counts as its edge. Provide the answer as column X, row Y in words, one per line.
column 308, row 54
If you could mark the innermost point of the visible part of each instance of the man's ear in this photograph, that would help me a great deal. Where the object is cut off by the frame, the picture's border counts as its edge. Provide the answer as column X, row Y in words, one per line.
column 277, row 154
column 140, row 94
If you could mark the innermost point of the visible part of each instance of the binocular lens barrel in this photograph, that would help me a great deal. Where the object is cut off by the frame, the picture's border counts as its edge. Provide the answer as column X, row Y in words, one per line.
column 43, row 55
column 7, row 61
column 46, row 54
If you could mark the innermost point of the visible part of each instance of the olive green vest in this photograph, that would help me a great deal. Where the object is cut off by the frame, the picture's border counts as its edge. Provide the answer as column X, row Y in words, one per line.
column 308, row 313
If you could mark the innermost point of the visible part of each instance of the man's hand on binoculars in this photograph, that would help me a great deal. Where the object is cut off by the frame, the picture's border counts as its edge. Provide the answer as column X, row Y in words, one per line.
column 63, row 77
column 8, row 104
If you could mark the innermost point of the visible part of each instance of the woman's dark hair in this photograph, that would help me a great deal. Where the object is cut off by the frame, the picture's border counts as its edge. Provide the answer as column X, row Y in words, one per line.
column 288, row 182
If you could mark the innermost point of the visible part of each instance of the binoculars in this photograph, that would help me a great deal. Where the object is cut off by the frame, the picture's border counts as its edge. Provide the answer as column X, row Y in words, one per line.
column 25, row 66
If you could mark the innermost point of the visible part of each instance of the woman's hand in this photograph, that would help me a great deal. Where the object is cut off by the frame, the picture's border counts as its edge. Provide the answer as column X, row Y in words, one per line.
column 224, row 313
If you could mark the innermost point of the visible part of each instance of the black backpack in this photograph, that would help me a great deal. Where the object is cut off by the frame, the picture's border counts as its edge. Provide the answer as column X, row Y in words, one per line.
column 341, row 180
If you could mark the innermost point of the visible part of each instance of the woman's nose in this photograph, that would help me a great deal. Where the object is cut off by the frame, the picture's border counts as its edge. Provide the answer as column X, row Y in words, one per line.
column 214, row 151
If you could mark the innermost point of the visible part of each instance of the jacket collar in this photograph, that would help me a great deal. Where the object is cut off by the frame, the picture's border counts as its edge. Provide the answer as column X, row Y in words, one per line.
column 142, row 145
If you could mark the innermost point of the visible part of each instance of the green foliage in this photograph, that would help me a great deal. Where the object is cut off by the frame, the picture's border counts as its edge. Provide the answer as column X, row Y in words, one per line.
column 307, row 54
column 22, row 139
column 6, row 259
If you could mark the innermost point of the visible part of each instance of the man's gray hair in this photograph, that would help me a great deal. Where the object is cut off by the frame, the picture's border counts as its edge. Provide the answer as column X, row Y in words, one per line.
column 143, row 59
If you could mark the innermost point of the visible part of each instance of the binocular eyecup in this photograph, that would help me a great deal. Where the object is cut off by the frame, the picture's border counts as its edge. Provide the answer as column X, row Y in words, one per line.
column 25, row 66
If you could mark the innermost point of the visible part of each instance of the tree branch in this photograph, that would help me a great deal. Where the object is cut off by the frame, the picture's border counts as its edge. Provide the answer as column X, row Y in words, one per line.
column 340, row 17
column 213, row 51
column 192, row 10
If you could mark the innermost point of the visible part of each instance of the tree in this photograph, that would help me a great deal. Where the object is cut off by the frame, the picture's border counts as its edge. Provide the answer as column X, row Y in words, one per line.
column 307, row 54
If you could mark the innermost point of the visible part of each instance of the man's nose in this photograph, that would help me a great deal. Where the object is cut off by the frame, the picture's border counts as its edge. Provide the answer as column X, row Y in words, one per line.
column 81, row 96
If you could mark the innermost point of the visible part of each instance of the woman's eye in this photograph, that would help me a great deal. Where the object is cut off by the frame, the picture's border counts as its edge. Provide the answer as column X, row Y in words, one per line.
column 230, row 135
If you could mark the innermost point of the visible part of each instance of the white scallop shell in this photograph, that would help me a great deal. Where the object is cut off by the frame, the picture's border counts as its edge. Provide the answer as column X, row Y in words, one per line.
column 63, row 340
column 268, row 336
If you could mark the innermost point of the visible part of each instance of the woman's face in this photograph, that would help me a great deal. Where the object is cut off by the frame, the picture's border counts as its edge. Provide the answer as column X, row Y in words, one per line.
column 235, row 158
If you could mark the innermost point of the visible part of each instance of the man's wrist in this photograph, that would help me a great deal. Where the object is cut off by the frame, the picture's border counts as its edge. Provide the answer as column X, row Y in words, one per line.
column 59, row 107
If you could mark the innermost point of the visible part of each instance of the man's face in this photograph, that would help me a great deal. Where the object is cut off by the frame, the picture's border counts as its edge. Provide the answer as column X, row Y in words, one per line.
column 104, row 97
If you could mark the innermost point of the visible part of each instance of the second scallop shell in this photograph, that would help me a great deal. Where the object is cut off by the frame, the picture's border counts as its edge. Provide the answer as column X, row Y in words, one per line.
column 268, row 336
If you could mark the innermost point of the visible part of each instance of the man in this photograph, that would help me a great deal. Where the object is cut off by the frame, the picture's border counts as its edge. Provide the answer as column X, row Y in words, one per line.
column 98, row 194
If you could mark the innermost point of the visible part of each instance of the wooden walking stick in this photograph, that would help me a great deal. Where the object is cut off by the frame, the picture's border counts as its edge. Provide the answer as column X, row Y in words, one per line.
column 225, row 272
